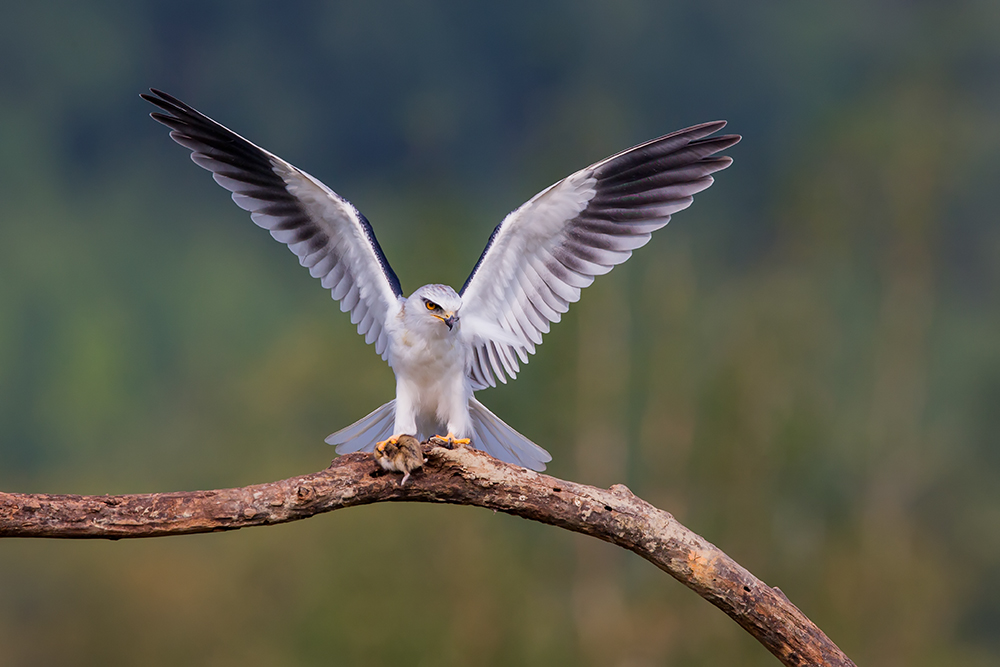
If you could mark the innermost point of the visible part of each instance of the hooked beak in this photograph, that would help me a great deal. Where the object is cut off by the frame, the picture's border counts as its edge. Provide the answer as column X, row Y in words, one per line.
column 450, row 320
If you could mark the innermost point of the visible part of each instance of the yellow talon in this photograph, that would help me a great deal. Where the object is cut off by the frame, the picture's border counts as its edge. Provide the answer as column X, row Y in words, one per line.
column 449, row 440
column 380, row 447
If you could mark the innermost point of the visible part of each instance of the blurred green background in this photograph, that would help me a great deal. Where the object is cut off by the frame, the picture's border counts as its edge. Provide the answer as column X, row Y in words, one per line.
column 804, row 367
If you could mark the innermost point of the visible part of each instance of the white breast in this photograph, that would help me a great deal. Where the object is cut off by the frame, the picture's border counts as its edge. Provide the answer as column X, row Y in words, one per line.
column 429, row 363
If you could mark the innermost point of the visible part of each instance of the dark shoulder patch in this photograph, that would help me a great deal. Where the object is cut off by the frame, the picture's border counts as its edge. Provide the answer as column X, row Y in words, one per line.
column 475, row 269
column 387, row 271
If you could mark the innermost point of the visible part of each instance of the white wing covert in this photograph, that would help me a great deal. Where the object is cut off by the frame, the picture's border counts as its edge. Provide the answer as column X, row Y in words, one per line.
column 539, row 258
column 329, row 236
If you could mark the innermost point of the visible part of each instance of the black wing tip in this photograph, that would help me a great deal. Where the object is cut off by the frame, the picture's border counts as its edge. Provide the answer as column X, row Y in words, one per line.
column 727, row 139
column 164, row 119
column 706, row 132
column 158, row 96
column 163, row 101
column 701, row 130
column 718, row 143
column 172, row 105
column 715, row 126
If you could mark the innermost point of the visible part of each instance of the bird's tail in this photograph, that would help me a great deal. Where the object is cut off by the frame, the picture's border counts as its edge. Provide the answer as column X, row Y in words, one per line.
column 497, row 439
column 362, row 435
column 490, row 434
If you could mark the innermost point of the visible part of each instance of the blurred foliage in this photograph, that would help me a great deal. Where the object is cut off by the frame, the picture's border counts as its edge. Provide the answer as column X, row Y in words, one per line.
column 804, row 367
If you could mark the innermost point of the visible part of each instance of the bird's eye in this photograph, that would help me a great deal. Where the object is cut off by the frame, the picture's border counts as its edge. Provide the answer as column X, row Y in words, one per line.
column 431, row 305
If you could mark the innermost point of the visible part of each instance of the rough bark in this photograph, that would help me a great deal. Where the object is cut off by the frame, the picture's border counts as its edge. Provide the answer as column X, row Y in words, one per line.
column 462, row 477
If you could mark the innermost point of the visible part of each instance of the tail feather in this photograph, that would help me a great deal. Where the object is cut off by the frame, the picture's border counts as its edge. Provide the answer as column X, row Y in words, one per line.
column 362, row 435
column 499, row 440
column 490, row 434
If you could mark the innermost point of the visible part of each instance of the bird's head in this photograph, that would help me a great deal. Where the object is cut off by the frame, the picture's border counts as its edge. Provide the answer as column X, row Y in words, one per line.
column 435, row 307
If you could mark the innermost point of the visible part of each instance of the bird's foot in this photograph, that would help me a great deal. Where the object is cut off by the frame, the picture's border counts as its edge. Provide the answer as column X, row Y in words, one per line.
column 449, row 441
column 380, row 447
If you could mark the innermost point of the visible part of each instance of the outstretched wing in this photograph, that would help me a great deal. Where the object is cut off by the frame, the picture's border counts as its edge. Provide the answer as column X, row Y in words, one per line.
column 541, row 256
column 329, row 236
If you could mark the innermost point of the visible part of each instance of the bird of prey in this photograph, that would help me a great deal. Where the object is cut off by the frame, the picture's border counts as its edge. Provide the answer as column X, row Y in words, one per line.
column 441, row 344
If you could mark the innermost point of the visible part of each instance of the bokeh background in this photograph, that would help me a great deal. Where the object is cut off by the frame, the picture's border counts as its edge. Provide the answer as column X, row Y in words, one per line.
column 804, row 367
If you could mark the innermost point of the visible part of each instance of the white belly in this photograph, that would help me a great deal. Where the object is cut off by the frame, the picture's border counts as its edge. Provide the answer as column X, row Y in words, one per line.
column 432, row 392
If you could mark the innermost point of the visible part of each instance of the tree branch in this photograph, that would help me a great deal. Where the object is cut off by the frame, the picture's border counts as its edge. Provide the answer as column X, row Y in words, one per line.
column 461, row 477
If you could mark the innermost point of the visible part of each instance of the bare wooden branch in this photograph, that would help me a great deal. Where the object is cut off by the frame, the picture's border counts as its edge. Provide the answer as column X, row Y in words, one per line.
column 462, row 477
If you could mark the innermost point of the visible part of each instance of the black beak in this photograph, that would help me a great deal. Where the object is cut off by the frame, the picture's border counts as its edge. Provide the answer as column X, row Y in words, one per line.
column 450, row 321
